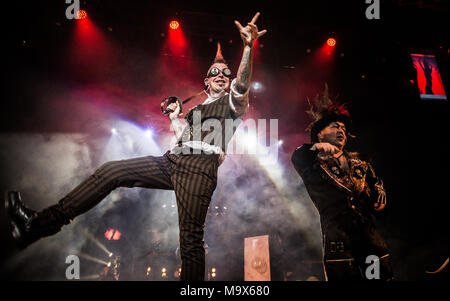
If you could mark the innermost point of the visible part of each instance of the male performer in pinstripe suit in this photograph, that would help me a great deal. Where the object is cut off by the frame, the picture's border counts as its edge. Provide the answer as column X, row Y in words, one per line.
column 190, row 168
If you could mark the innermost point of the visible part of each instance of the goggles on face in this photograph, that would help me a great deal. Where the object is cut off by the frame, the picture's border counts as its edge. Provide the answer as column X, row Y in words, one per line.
column 216, row 71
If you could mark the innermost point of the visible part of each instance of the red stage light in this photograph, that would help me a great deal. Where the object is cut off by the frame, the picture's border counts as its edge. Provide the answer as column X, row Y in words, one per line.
column 82, row 14
column 331, row 42
column 112, row 234
column 116, row 235
column 109, row 233
column 174, row 25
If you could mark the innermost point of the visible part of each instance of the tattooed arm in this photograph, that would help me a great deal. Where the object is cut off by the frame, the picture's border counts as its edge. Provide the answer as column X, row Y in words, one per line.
column 241, row 84
column 244, row 73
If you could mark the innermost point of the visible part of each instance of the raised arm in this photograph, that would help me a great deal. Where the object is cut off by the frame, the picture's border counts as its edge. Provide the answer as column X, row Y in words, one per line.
column 177, row 126
column 249, row 35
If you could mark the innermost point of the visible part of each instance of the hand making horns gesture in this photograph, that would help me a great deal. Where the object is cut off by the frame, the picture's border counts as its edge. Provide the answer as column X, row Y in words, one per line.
column 250, row 32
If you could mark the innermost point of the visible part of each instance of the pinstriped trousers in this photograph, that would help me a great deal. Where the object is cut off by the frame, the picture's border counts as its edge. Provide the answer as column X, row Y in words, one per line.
column 192, row 177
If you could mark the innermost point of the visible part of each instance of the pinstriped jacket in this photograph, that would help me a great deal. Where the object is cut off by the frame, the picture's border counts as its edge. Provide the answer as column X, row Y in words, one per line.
column 216, row 123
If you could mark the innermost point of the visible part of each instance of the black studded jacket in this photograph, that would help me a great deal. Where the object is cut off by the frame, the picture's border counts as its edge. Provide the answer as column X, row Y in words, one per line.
column 336, row 192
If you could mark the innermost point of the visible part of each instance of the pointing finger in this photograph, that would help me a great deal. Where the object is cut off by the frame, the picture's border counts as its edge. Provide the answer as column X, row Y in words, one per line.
column 261, row 33
column 255, row 18
column 238, row 25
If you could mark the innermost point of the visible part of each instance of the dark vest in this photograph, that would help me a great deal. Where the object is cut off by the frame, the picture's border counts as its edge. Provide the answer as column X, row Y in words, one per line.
column 214, row 123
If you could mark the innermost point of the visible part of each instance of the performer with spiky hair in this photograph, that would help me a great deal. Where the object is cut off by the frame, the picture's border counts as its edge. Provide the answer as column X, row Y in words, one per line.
column 190, row 169
column 346, row 193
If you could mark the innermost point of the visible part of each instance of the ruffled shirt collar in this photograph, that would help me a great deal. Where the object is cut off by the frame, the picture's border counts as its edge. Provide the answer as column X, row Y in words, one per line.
column 211, row 98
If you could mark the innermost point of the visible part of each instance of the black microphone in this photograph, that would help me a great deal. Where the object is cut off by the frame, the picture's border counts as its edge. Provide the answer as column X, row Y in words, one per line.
column 171, row 99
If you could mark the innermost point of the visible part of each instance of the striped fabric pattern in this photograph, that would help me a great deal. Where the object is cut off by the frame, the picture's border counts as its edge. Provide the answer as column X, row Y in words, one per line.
column 192, row 177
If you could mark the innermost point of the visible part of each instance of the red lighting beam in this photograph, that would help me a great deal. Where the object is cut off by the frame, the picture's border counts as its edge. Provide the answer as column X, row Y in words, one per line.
column 81, row 14
column 91, row 54
column 325, row 52
column 331, row 42
column 174, row 25
column 176, row 43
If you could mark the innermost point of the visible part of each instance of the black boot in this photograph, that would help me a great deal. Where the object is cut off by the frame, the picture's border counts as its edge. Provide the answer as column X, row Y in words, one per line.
column 20, row 218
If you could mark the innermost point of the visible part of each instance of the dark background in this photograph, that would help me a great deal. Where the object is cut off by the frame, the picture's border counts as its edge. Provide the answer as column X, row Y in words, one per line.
column 371, row 70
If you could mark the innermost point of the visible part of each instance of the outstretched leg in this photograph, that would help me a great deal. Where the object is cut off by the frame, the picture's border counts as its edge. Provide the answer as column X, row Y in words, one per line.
column 149, row 172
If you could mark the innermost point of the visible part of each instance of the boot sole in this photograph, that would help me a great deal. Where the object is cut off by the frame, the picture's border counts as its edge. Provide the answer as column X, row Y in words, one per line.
column 6, row 200
column 8, row 205
column 13, row 227
column 8, row 215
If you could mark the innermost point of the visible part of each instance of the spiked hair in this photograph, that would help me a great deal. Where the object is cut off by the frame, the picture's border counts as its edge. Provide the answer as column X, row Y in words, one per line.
column 219, row 57
column 323, row 110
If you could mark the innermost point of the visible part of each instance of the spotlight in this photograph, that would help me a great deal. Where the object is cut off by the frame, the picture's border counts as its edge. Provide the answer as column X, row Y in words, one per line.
column 280, row 142
column 174, row 25
column 251, row 143
column 257, row 86
column 109, row 234
column 90, row 258
column 148, row 133
column 81, row 14
column 112, row 234
column 331, row 42
column 116, row 235
column 95, row 240
column 113, row 131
